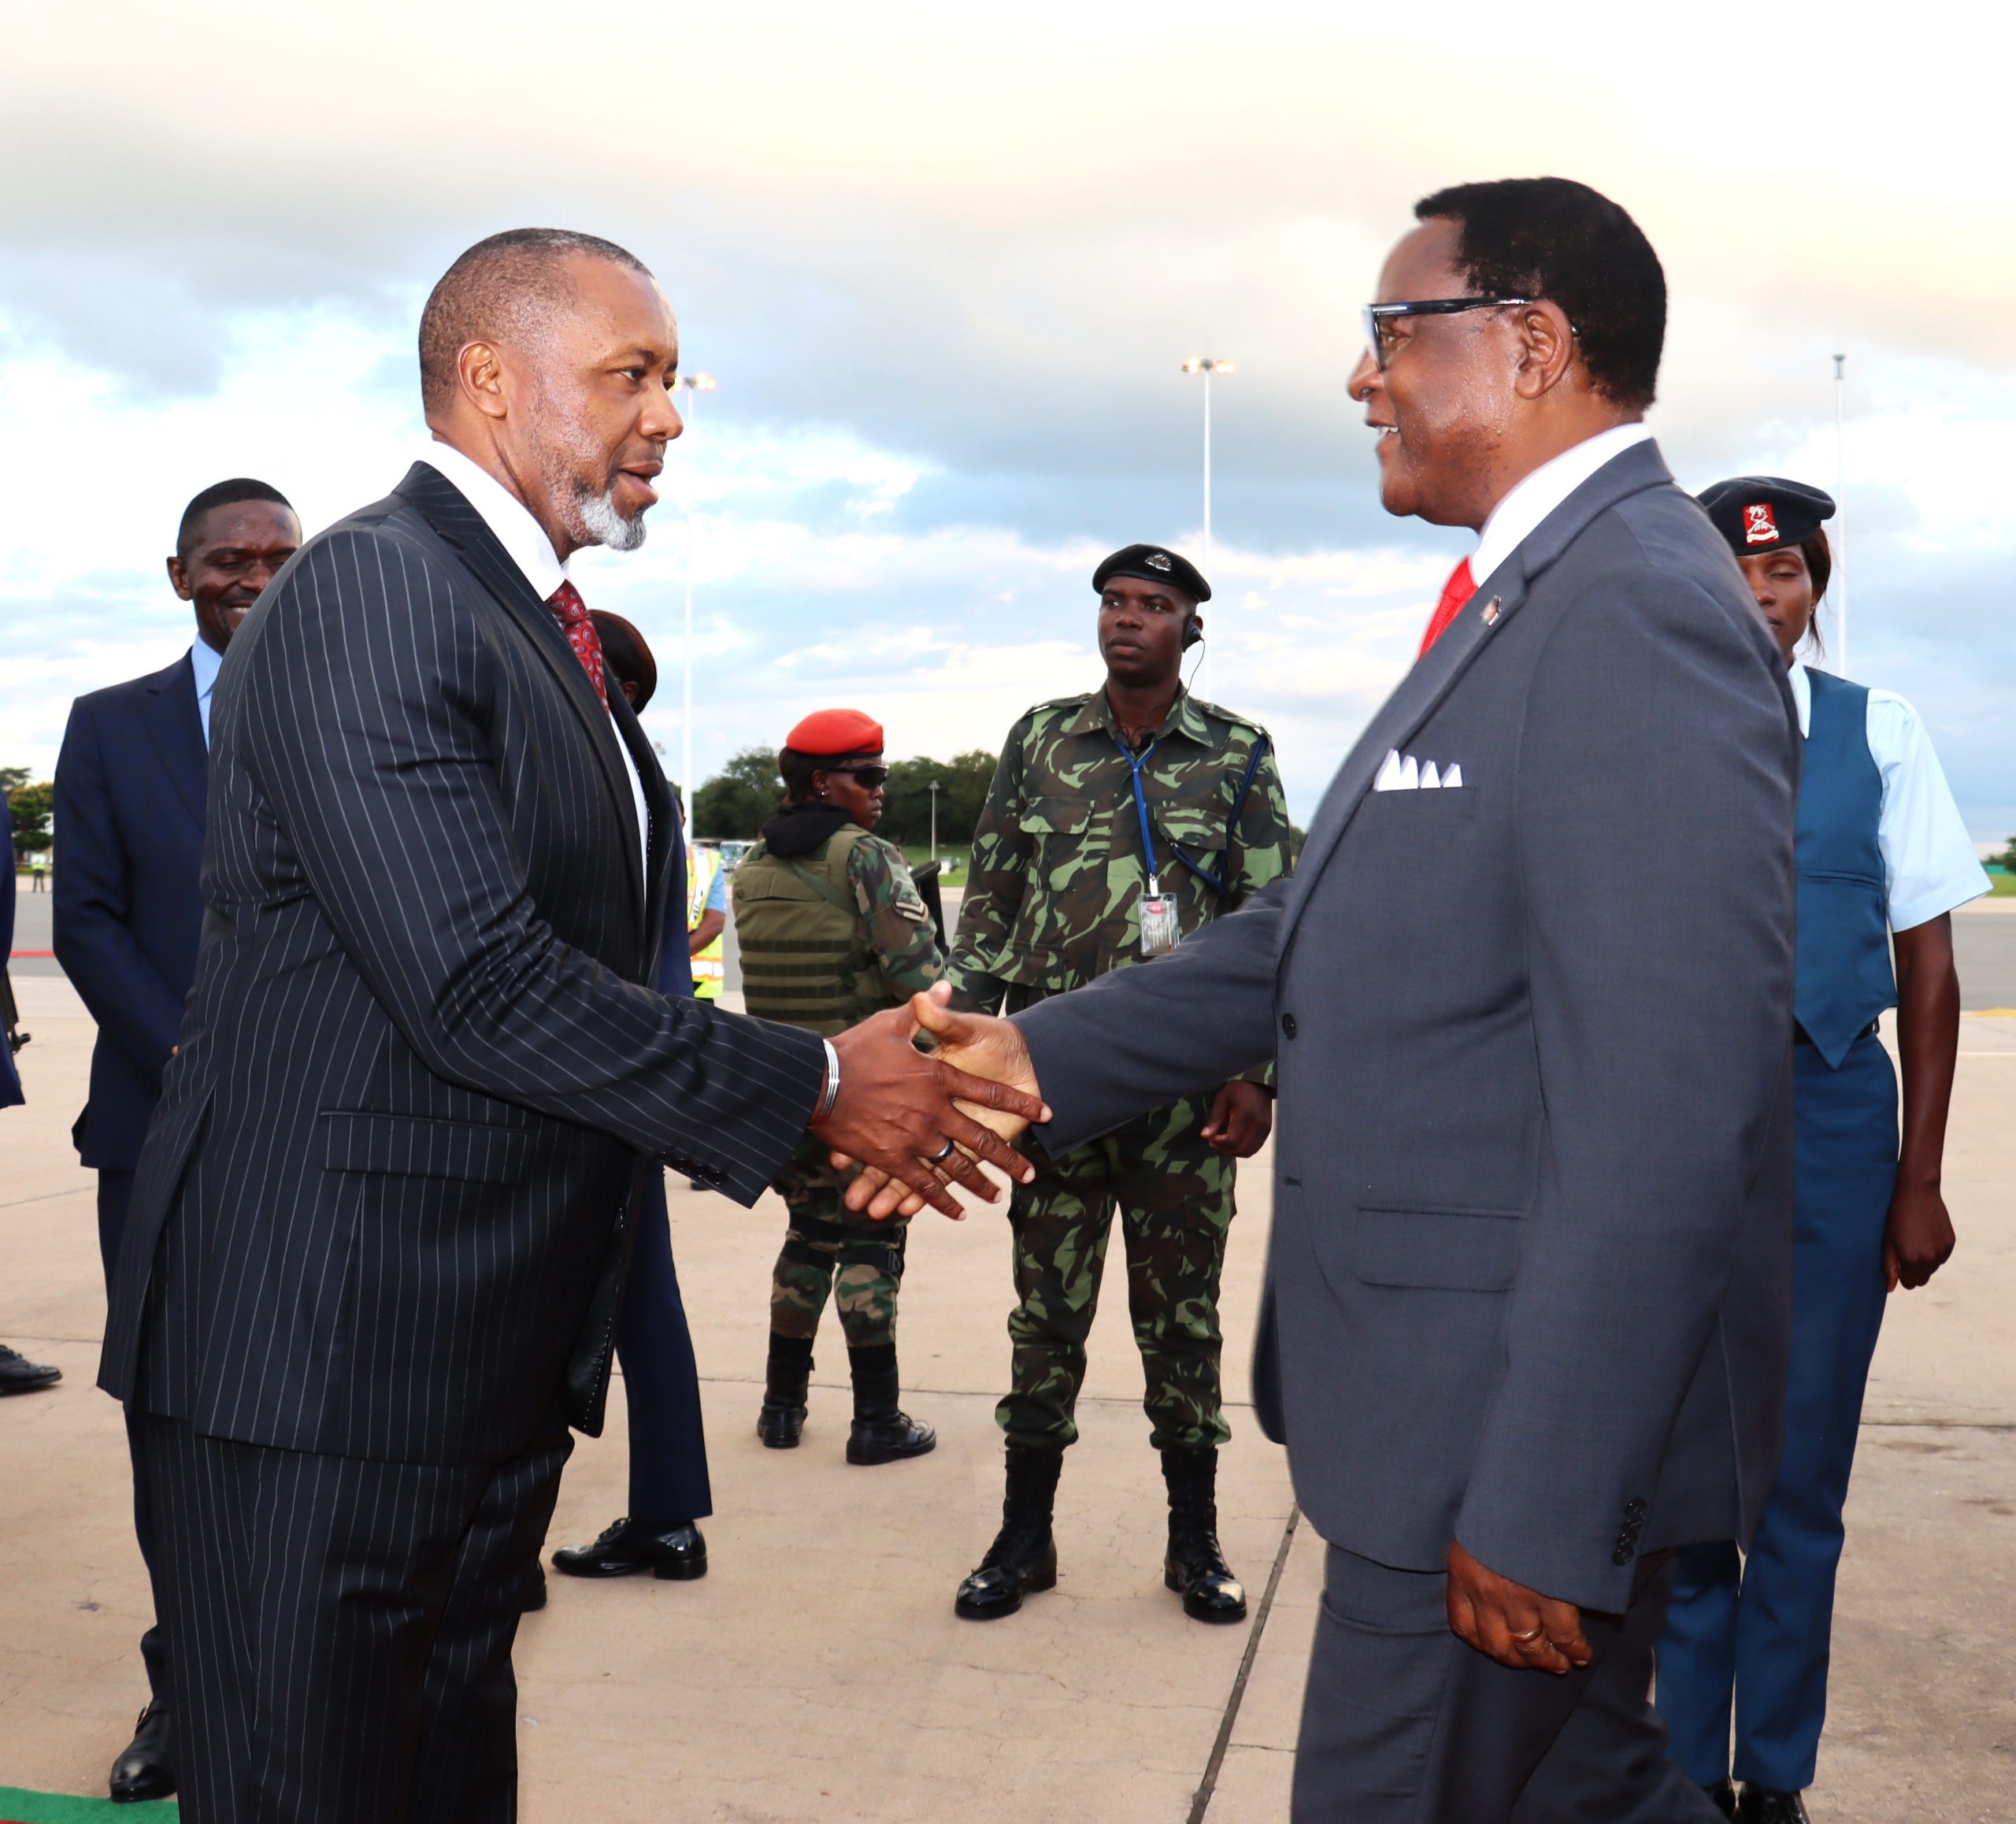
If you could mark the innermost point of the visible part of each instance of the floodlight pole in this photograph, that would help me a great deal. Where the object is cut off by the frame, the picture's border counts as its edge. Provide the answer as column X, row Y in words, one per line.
column 1207, row 366
column 1840, row 539
column 934, row 820
column 692, row 385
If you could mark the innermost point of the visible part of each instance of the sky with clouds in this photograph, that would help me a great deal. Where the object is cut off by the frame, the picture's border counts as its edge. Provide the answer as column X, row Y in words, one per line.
column 945, row 264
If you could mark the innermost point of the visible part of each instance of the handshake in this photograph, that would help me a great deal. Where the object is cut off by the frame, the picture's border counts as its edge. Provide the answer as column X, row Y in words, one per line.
column 918, row 1123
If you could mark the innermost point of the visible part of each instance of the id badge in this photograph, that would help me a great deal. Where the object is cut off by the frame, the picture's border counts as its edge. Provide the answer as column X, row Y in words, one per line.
column 1158, row 928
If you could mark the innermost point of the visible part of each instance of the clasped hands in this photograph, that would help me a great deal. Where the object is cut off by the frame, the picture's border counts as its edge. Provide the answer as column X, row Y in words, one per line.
column 898, row 1107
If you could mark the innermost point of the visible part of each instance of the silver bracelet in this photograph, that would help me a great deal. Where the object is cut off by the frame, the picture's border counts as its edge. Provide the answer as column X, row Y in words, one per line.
column 831, row 1093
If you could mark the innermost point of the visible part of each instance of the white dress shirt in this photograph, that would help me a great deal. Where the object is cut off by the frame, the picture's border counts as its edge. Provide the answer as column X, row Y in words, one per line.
column 204, row 659
column 1929, row 865
column 1518, row 515
column 525, row 543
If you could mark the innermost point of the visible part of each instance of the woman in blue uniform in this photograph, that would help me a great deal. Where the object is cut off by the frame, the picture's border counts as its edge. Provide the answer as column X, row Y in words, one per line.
column 1883, row 859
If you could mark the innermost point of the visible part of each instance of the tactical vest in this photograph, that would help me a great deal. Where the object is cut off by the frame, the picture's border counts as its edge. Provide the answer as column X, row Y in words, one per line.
column 806, row 958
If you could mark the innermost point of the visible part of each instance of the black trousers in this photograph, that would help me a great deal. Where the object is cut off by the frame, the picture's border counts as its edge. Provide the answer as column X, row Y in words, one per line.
column 342, row 1628
column 115, row 1191
column 661, row 1384
column 1403, row 1724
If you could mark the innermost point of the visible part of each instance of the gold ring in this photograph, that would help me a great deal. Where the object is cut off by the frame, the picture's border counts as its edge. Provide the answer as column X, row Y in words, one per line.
column 1526, row 1640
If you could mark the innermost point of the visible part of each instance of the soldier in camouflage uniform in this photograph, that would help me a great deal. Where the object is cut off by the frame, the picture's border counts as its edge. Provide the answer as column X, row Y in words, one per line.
column 831, row 929
column 1073, row 862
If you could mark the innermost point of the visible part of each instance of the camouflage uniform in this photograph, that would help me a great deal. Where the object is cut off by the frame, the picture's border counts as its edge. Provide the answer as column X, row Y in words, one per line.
column 826, row 1246
column 1058, row 873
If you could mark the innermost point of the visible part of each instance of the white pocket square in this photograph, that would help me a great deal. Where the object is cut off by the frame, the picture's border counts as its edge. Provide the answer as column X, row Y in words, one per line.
column 1401, row 772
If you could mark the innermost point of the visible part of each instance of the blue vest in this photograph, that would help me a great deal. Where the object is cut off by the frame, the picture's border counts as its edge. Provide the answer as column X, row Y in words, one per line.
column 1844, row 978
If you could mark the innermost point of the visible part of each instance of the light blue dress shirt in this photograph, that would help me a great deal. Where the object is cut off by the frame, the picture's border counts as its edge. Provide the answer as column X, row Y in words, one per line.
column 205, row 658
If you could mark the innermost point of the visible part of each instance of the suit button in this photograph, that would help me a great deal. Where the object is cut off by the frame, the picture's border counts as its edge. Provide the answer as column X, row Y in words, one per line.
column 1623, row 1554
column 1634, row 1508
column 1287, row 1025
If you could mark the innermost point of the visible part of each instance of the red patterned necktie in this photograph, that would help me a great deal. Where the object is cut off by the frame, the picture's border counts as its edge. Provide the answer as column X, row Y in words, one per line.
column 571, row 613
column 1460, row 587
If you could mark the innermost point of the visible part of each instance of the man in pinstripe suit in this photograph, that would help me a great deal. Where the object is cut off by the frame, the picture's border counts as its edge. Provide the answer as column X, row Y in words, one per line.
column 378, row 1229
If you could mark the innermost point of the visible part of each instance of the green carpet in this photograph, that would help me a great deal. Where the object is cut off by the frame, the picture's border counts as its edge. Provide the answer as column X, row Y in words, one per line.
column 18, row 1806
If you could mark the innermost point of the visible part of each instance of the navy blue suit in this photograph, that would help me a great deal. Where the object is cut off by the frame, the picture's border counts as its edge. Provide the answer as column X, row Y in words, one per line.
column 10, row 1079
column 661, row 1382
column 131, row 784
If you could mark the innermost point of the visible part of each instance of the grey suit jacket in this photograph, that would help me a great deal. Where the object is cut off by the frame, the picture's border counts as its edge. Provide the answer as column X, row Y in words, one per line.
column 1530, row 1279
column 380, row 1211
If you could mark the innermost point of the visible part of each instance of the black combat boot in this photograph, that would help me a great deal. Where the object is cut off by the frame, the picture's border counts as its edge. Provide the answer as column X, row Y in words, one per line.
column 1195, row 1565
column 1022, row 1557
column 788, row 1374
column 882, row 1432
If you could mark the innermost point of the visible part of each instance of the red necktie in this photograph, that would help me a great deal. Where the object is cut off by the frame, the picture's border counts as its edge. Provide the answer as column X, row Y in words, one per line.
column 571, row 613
column 1460, row 587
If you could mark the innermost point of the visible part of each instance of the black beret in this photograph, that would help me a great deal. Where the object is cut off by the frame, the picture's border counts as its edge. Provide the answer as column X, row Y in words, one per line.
column 1761, row 512
column 1154, row 565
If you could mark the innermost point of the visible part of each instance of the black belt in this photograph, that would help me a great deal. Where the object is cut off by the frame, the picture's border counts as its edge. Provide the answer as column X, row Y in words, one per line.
column 1802, row 1036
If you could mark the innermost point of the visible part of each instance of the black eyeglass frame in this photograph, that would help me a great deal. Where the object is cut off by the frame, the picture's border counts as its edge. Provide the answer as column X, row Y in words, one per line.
column 1375, row 314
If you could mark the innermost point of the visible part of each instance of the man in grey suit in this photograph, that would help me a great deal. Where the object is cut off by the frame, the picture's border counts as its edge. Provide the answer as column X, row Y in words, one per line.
column 373, row 1263
column 1530, row 992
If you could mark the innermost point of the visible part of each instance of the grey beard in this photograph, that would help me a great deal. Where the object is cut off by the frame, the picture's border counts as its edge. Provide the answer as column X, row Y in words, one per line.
column 604, row 525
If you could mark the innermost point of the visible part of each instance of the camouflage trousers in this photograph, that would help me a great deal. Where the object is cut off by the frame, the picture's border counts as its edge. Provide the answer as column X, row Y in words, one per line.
column 828, row 1248
column 1174, row 1197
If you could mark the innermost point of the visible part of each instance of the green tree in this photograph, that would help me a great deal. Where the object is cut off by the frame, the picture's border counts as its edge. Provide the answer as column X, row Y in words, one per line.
column 30, row 807
column 13, row 779
column 740, row 798
column 962, row 792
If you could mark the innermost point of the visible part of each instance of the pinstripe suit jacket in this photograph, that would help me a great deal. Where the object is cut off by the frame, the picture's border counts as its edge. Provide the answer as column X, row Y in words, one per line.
column 381, row 1210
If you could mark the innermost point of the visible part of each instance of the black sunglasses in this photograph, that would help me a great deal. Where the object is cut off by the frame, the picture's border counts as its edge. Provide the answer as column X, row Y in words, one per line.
column 867, row 778
column 1377, row 316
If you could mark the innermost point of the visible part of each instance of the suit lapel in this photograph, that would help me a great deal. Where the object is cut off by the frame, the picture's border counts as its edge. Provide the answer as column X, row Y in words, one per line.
column 175, row 727
column 1489, row 611
column 441, row 504
column 663, row 810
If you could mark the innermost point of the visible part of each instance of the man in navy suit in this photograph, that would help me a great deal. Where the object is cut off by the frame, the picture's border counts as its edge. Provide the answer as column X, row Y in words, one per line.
column 130, row 795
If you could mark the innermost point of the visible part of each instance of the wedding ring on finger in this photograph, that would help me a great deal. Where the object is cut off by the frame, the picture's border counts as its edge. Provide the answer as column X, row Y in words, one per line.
column 1531, row 1637
column 943, row 1153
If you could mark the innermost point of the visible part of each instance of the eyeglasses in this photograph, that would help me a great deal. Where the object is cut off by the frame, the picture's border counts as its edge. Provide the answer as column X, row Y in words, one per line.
column 867, row 778
column 1377, row 316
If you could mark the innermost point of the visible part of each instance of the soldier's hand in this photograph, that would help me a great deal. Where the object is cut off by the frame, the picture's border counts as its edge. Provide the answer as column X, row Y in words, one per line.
column 898, row 1107
column 1241, row 1118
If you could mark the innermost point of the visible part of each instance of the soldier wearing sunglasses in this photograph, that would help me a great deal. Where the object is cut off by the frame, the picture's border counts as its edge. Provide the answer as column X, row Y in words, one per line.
column 831, row 929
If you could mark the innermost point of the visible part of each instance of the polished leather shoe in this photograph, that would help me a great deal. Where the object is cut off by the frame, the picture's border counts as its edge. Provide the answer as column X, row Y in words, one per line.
column 1766, row 1805
column 146, row 1769
column 1722, row 1796
column 536, row 1594
column 19, row 1375
column 1022, row 1557
column 672, row 1550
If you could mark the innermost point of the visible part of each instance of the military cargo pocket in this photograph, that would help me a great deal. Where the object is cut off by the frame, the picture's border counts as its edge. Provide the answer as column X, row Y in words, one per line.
column 1442, row 1250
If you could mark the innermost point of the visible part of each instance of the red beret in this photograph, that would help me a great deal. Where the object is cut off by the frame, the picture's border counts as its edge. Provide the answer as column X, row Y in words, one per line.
column 831, row 734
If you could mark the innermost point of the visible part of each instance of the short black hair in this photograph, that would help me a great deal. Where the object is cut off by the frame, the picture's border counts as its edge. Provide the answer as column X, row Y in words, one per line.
column 1553, row 238
column 628, row 654
column 796, row 769
column 502, row 282
column 231, row 493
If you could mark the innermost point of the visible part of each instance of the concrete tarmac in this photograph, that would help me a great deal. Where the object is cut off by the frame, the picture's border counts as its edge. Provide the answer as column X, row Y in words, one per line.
column 818, row 1673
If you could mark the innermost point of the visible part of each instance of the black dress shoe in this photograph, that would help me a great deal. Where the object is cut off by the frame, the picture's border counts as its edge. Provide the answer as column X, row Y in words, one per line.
column 671, row 1549
column 1767, row 1805
column 19, row 1375
column 535, row 1592
column 146, row 1769
column 1022, row 1557
column 1722, row 1795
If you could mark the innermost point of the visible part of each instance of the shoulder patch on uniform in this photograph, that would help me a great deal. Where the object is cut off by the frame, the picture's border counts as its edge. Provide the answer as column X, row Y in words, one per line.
column 1076, row 703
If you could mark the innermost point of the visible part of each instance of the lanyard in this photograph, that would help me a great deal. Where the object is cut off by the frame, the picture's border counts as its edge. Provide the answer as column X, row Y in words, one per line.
column 1135, row 762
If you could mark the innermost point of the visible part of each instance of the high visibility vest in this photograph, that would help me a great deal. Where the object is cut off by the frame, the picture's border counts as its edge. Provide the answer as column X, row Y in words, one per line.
column 709, row 969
